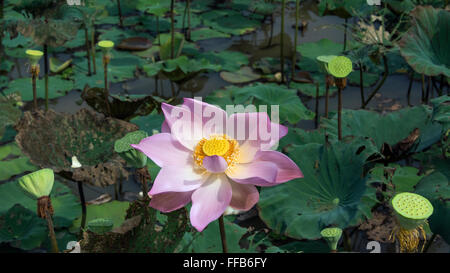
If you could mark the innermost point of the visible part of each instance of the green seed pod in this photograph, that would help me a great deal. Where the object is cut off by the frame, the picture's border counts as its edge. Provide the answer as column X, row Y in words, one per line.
column 340, row 67
column 332, row 236
column 38, row 184
column 100, row 225
column 34, row 56
column 411, row 209
column 106, row 46
column 133, row 157
column 323, row 62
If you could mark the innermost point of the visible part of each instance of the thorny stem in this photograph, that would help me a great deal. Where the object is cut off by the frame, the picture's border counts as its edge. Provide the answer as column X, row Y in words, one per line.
column 283, row 5
column 34, row 75
column 120, row 13
column 411, row 79
column 51, row 231
column 83, row 204
column 105, row 68
column 222, row 234
column 294, row 55
column 46, row 75
column 88, row 56
column 93, row 49
column 386, row 72
column 172, row 19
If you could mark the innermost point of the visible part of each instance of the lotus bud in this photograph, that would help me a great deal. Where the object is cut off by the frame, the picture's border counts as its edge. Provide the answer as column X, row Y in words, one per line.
column 38, row 185
column 133, row 157
column 34, row 56
column 340, row 67
column 100, row 225
column 75, row 163
column 332, row 236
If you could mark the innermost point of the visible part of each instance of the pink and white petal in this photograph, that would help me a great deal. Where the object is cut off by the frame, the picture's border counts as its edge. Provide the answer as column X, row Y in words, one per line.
column 211, row 119
column 259, row 173
column 170, row 201
column 164, row 150
column 181, row 124
column 178, row 179
column 244, row 197
column 210, row 201
column 287, row 169
column 247, row 151
column 165, row 127
column 215, row 164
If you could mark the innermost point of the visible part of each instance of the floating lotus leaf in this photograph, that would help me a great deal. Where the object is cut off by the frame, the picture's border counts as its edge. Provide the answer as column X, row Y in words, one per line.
column 403, row 179
column 133, row 157
column 436, row 188
column 149, row 123
column 121, row 107
column 332, row 192
column 22, row 228
column 228, row 60
column 58, row 87
column 65, row 204
column 155, row 7
column 309, row 89
column 441, row 111
column 311, row 51
column 229, row 21
column 243, row 75
column 135, row 44
column 38, row 184
column 9, row 112
column 13, row 162
column 50, row 139
column 165, row 49
column 425, row 45
column 343, row 8
column 207, row 33
column 395, row 134
column 100, row 225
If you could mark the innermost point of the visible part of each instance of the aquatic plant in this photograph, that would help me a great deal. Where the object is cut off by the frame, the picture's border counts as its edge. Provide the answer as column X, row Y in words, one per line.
column 106, row 47
column 100, row 225
column 34, row 56
column 329, row 81
column 210, row 186
column 340, row 67
column 411, row 211
column 38, row 185
column 332, row 236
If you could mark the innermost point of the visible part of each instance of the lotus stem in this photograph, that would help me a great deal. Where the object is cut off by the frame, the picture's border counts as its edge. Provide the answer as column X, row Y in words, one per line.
column 51, row 231
column 361, row 84
column 222, row 234
column 386, row 73
column 83, row 205
column 411, row 79
column 143, row 176
column 283, row 5
column 345, row 34
column 172, row 26
column 429, row 243
column 34, row 75
column 106, row 59
column 86, row 37
column 120, row 13
column 327, row 94
column 339, row 113
column 46, row 75
column 94, row 65
column 294, row 55
column 316, row 120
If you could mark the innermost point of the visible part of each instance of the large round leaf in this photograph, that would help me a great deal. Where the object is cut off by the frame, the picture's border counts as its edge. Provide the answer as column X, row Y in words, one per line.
column 57, row 88
column 330, row 193
column 426, row 44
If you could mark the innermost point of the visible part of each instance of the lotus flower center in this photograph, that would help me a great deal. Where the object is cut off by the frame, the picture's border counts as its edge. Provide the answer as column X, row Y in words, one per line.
column 216, row 146
column 220, row 145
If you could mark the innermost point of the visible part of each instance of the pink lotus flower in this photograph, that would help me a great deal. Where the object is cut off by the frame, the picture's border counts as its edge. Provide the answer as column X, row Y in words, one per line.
column 214, row 160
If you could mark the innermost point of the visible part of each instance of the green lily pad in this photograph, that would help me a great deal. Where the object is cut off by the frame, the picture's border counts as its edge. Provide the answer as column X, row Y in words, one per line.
column 229, row 21
column 425, row 45
column 114, row 211
column 149, row 123
column 57, row 88
column 9, row 112
column 13, row 162
column 243, row 75
column 309, row 89
column 311, row 50
column 22, row 228
column 207, row 33
column 403, row 180
column 65, row 204
column 331, row 192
